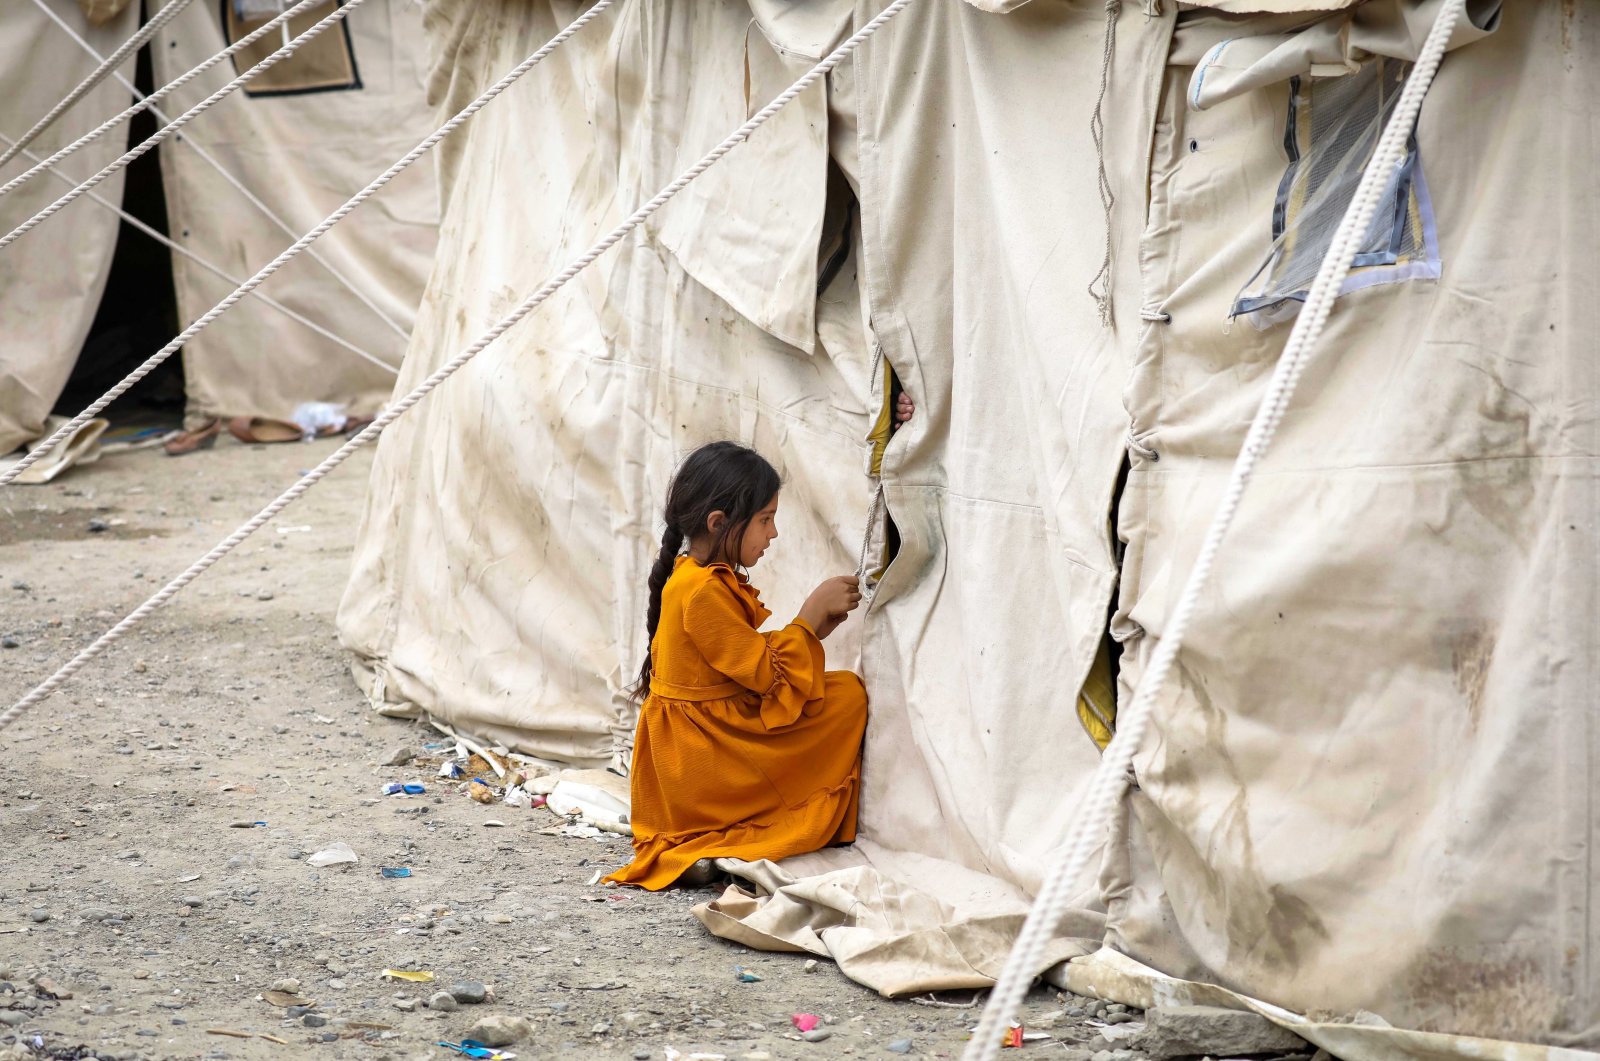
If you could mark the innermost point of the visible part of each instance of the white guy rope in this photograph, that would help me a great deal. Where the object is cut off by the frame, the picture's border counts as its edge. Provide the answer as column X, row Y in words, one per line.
column 339, row 14
column 108, row 64
column 145, row 102
column 238, row 185
column 397, row 409
column 1106, row 786
column 178, row 248
column 300, row 244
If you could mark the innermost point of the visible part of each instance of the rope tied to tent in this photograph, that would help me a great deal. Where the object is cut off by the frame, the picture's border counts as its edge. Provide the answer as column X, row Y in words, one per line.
column 1110, row 778
column 177, row 248
column 154, row 360
column 444, row 372
column 339, row 14
column 150, row 100
column 239, row 186
column 99, row 74
column 1100, row 286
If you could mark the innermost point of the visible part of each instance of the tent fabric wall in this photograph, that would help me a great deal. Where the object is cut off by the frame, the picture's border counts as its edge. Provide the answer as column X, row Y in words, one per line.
column 1370, row 786
column 52, row 278
column 498, row 577
column 1377, row 751
column 303, row 154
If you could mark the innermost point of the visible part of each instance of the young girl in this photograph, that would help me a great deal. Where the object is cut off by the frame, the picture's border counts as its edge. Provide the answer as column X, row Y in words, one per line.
column 746, row 747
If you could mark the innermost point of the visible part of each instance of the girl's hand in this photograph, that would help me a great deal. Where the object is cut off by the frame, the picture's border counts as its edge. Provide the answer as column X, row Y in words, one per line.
column 830, row 603
column 904, row 410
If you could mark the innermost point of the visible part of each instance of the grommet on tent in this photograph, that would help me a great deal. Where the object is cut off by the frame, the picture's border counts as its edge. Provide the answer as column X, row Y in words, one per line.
column 1139, row 449
column 1154, row 314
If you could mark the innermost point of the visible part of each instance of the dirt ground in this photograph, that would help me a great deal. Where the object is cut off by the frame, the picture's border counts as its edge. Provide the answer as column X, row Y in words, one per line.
column 127, row 882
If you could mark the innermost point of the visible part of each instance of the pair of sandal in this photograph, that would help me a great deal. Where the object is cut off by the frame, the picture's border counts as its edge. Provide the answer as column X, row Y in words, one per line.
column 254, row 430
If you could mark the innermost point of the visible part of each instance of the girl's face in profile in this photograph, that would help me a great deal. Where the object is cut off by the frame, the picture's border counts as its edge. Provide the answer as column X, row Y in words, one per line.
column 761, row 531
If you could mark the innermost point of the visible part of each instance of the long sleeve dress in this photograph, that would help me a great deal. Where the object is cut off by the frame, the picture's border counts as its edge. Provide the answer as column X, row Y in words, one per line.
column 746, row 748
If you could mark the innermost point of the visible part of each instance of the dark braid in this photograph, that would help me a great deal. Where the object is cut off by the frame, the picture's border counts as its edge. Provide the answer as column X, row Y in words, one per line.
column 666, row 560
column 720, row 477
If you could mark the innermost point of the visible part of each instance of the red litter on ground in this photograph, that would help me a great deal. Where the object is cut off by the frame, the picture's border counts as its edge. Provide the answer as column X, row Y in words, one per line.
column 804, row 1022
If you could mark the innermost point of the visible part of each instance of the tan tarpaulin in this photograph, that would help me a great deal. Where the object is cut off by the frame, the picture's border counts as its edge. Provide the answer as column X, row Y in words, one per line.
column 498, row 576
column 51, row 279
column 1373, row 781
column 303, row 153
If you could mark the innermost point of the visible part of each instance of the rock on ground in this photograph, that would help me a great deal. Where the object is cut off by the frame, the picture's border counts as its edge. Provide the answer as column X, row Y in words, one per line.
column 1193, row 1031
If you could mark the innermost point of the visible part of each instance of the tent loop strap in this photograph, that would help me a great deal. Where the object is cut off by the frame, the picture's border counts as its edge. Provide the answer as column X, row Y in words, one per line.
column 1154, row 314
column 1140, row 450
column 1100, row 286
column 872, row 524
column 155, row 359
column 145, row 102
column 1107, row 784
column 99, row 74
column 398, row 408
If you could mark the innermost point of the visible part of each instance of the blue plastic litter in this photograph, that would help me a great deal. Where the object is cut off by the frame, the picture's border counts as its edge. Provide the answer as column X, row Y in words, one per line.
column 391, row 871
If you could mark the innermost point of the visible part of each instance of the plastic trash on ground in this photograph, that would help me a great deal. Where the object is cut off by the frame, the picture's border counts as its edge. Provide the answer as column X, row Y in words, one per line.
column 594, row 804
column 332, row 855
column 317, row 418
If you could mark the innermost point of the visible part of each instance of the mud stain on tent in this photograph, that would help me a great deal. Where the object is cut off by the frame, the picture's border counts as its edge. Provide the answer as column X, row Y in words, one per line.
column 1496, row 999
column 1471, row 654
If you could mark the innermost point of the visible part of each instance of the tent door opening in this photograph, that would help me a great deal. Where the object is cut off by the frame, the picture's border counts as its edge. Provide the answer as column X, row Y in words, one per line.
column 138, row 311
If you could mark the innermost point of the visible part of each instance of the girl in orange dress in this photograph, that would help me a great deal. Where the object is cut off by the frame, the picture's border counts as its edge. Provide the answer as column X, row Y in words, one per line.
column 746, row 746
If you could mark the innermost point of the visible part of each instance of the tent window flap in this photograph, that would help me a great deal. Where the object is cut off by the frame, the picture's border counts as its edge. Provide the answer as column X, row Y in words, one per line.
column 1332, row 129
column 327, row 63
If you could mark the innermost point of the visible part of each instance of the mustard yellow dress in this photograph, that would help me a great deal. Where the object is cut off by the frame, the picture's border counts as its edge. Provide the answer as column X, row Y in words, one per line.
column 746, row 747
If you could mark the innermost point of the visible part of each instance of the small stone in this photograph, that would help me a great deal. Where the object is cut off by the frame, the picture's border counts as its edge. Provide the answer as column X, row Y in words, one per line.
column 500, row 1030
column 405, row 1005
column 1181, row 1031
column 288, row 985
column 641, row 1055
column 139, row 666
column 811, row 965
column 11, row 1018
column 330, row 1037
column 296, row 1012
column 39, row 917
column 314, row 1020
column 336, row 984
column 98, row 526
column 816, row 1035
column 900, row 1046
column 45, row 987
column 401, row 757
column 471, row 993
column 265, row 594
column 193, row 902
column 141, row 974
column 10, row 642
column 1120, row 1017
column 444, row 1002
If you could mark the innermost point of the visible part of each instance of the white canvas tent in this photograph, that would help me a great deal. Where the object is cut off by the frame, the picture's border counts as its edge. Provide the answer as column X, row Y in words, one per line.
column 299, row 143
column 1370, row 787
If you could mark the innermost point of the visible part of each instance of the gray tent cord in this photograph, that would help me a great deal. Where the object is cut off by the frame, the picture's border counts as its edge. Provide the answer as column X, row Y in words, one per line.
column 300, row 244
column 254, row 200
column 144, row 102
column 178, row 248
column 1110, row 778
column 399, row 408
column 1097, row 130
column 110, row 63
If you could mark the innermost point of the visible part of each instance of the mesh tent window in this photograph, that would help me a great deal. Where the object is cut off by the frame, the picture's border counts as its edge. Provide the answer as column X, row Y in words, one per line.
column 1332, row 127
column 325, row 64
